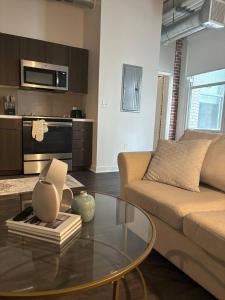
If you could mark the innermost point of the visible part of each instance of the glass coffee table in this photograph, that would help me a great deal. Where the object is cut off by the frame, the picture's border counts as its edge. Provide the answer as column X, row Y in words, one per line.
column 114, row 243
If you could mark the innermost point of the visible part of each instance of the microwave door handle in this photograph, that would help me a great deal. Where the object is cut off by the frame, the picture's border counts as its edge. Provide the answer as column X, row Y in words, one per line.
column 57, row 79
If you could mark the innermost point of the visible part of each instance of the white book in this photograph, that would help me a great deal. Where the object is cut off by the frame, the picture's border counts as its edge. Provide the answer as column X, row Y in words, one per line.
column 43, row 234
column 63, row 223
column 47, row 239
column 43, row 244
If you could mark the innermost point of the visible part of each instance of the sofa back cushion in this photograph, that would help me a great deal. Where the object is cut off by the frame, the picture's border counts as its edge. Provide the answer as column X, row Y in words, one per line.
column 213, row 168
column 178, row 163
column 200, row 135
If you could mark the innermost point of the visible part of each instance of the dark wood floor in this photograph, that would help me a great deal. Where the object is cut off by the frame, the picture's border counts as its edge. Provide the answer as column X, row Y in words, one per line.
column 102, row 182
column 164, row 281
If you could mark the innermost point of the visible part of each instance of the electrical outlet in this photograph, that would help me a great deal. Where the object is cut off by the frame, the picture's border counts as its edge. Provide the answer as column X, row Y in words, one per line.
column 104, row 104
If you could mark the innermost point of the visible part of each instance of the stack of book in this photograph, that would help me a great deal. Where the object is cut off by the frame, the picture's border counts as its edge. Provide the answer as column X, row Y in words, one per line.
column 64, row 227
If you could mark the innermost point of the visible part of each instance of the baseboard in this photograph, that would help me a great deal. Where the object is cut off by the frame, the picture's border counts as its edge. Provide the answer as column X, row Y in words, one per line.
column 106, row 169
column 92, row 169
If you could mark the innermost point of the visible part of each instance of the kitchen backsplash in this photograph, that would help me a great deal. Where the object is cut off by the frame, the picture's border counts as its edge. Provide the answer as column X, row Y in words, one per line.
column 6, row 92
column 42, row 103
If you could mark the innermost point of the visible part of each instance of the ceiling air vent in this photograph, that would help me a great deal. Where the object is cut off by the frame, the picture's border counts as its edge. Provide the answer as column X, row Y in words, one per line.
column 214, row 15
column 210, row 15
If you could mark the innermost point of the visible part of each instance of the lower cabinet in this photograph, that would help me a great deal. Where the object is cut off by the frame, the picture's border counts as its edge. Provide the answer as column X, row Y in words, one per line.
column 82, row 144
column 11, row 146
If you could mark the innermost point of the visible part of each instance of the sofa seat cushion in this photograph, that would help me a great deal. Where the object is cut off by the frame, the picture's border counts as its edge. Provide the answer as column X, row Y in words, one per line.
column 207, row 230
column 170, row 203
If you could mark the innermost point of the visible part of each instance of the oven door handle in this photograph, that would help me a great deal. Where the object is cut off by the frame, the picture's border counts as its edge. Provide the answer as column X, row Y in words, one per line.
column 49, row 124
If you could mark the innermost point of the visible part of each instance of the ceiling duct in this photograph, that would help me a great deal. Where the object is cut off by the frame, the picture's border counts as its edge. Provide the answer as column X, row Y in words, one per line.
column 185, row 19
column 84, row 3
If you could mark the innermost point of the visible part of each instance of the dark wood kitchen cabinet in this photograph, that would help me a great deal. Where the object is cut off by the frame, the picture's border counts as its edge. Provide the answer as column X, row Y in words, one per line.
column 78, row 70
column 37, row 50
column 57, row 54
column 31, row 49
column 52, row 53
column 82, row 144
column 14, row 48
column 11, row 146
column 9, row 60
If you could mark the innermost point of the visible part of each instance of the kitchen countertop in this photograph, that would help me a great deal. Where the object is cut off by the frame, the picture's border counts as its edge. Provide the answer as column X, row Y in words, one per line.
column 20, row 117
column 10, row 117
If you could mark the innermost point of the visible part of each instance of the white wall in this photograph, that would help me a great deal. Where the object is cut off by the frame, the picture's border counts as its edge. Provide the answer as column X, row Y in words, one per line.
column 203, row 52
column 47, row 20
column 130, row 33
column 92, row 43
column 166, row 59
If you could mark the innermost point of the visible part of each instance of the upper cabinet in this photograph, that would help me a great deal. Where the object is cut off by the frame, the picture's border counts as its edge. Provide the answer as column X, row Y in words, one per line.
column 78, row 70
column 13, row 49
column 57, row 54
column 31, row 49
column 9, row 60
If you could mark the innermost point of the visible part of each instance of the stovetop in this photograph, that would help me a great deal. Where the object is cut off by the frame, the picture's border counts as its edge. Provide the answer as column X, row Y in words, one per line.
column 56, row 118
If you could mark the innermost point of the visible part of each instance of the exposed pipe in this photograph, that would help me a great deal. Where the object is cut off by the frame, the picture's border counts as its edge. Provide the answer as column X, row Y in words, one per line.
column 210, row 15
column 182, row 11
column 190, row 4
column 182, row 28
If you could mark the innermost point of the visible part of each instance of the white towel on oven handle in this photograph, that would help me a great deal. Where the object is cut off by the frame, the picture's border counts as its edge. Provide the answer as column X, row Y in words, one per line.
column 39, row 128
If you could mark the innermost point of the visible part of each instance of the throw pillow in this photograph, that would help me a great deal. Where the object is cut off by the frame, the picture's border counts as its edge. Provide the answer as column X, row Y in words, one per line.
column 178, row 163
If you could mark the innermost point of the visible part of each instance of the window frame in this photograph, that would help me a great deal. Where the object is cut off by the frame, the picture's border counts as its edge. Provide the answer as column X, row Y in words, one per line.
column 190, row 88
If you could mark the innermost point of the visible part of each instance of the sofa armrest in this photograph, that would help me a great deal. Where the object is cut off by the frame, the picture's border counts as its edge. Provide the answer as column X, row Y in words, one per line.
column 132, row 167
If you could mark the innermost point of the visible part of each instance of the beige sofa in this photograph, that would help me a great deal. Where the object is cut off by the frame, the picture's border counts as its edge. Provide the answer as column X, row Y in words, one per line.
column 190, row 226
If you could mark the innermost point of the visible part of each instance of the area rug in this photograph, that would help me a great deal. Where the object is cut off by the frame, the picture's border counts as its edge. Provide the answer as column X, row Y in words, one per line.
column 26, row 185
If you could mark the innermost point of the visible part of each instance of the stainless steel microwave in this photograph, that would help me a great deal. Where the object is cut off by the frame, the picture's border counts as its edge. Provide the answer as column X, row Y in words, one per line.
column 44, row 76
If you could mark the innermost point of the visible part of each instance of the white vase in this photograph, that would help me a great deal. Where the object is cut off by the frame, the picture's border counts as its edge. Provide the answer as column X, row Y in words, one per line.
column 45, row 201
column 55, row 172
column 67, row 197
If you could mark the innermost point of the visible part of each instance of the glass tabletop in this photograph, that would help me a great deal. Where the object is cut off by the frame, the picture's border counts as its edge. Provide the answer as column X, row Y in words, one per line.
column 116, row 241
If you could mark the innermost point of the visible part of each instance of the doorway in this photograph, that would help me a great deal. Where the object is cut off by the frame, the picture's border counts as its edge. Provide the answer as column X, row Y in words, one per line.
column 162, row 115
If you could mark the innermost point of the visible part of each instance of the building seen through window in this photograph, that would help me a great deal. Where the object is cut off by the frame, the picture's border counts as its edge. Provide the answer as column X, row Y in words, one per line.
column 206, row 101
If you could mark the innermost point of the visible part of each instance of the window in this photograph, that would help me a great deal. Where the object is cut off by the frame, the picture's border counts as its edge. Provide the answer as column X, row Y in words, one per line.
column 206, row 101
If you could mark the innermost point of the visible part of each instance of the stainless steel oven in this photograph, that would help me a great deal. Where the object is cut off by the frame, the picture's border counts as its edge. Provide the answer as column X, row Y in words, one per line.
column 44, row 76
column 57, row 143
